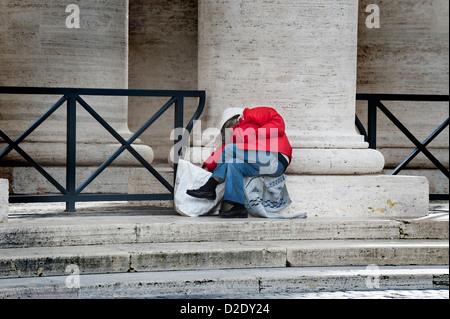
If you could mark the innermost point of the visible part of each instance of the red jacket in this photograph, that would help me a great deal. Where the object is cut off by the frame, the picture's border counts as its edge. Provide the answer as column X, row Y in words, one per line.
column 261, row 129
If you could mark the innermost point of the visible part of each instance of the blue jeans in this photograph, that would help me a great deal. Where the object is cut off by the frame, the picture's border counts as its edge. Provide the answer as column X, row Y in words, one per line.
column 235, row 164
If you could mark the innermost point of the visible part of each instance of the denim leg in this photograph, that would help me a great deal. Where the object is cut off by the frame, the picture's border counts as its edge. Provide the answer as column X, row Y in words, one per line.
column 236, row 164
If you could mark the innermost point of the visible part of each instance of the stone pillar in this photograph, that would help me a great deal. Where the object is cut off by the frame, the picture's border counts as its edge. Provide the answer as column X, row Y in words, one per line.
column 38, row 48
column 408, row 54
column 300, row 58
column 4, row 200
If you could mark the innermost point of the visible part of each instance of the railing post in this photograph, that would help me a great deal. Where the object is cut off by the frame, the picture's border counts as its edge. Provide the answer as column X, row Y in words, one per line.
column 71, row 152
column 372, row 124
column 178, row 125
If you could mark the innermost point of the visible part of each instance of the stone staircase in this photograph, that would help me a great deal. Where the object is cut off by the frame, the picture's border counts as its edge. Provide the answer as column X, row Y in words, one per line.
column 145, row 252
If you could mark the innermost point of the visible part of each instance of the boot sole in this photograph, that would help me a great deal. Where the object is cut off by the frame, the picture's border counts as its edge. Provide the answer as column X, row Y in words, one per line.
column 201, row 195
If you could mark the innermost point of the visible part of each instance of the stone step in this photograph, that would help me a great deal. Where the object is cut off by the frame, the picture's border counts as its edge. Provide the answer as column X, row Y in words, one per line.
column 143, row 227
column 142, row 257
column 231, row 282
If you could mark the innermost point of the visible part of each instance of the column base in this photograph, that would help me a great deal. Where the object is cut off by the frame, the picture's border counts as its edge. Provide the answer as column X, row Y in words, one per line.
column 4, row 200
column 316, row 161
column 362, row 196
column 335, row 161
column 439, row 183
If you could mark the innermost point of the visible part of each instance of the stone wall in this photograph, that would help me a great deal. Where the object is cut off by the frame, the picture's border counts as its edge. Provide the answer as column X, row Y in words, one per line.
column 408, row 54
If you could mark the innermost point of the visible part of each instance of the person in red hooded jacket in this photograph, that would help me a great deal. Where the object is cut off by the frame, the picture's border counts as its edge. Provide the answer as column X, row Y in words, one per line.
column 258, row 146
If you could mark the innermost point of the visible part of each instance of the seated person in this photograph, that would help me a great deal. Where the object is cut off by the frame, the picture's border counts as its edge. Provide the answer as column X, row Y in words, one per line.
column 257, row 146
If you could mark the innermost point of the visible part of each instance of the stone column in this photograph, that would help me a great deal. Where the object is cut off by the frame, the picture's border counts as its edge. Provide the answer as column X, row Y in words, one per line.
column 38, row 47
column 300, row 58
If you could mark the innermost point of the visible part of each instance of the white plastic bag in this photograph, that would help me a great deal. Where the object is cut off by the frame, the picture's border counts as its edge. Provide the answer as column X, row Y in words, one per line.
column 190, row 176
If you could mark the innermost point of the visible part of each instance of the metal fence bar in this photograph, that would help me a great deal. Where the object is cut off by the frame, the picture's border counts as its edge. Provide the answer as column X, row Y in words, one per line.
column 417, row 150
column 70, row 195
column 361, row 128
column 34, row 126
column 88, row 198
column 402, row 97
column 413, row 139
column 99, row 92
column 71, row 152
column 372, row 124
column 33, row 163
column 125, row 145
column 178, row 123
column 374, row 103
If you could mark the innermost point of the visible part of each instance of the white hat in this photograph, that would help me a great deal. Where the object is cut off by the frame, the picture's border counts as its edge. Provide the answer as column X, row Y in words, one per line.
column 229, row 113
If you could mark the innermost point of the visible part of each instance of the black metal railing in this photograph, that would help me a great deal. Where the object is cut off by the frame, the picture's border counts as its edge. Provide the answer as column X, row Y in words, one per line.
column 71, row 193
column 375, row 103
